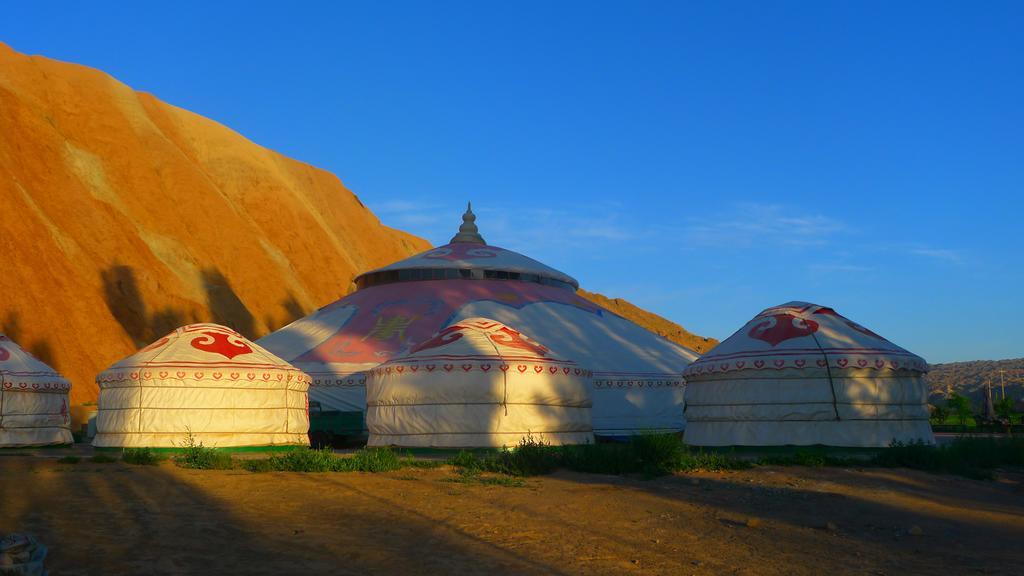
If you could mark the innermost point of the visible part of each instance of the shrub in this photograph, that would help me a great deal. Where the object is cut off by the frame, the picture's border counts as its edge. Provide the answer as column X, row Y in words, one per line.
column 324, row 460
column 142, row 456
column 370, row 460
column 803, row 457
column 194, row 455
column 711, row 461
column 970, row 457
column 648, row 454
column 960, row 406
column 102, row 459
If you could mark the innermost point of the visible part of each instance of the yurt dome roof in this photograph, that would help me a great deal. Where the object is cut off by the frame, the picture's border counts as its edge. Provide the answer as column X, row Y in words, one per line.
column 804, row 335
column 19, row 369
column 483, row 344
column 467, row 257
column 194, row 350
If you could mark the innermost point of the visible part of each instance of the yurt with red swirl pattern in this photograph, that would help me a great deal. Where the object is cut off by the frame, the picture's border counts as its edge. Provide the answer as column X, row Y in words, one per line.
column 207, row 381
column 478, row 383
column 33, row 400
column 802, row 374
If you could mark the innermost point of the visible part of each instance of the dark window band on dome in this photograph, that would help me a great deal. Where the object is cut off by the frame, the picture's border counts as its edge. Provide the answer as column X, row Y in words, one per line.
column 419, row 274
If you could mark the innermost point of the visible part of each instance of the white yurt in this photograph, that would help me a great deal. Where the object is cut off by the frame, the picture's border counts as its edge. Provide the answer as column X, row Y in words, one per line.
column 478, row 383
column 208, row 380
column 33, row 400
column 637, row 384
column 801, row 374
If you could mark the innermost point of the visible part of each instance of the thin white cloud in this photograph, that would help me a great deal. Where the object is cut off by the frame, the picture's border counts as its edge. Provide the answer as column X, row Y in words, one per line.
column 942, row 254
column 748, row 223
column 828, row 268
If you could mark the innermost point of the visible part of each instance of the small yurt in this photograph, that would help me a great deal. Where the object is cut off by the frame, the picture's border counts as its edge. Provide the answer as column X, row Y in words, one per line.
column 801, row 374
column 33, row 400
column 207, row 380
column 478, row 383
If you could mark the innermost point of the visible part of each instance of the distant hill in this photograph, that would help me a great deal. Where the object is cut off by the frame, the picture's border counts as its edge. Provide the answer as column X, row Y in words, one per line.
column 969, row 378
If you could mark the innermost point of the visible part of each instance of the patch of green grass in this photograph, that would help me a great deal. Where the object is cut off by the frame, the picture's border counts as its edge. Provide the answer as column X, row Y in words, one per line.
column 324, row 460
column 692, row 461
column 142, row 456
column 194, row 455
column 101, row 459
column 970, row 457
column 69, row 460
column 647, row 454
column 803, row 457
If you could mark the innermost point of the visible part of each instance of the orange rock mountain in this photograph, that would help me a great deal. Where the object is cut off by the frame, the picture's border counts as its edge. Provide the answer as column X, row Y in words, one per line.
column 123, row 217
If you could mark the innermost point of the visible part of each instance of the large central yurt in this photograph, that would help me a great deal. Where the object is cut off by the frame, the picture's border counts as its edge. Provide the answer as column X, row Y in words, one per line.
column 33, row 400
column 478, row 383
column 637, row 380
column 205, row 380
column 801, row 374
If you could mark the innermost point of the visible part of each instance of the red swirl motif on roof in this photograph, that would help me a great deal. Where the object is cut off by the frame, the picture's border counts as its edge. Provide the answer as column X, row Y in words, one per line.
column 778, row 328
column 220, row 343
column 497, row 333
column 506, row 336
column 4, row 354
column 442, row 338
column 462, row 251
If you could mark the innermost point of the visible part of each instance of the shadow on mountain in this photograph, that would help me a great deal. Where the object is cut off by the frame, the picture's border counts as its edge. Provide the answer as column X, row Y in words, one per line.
column 293, row 310
column 225, row 306
column 127, row 304
column 39, row 347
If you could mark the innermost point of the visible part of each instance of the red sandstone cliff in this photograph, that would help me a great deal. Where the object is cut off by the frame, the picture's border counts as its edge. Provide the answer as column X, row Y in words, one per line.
column 122, row 217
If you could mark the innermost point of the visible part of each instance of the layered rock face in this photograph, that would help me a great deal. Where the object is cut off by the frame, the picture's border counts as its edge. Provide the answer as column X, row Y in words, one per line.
column 123, row 217
column 660, row 326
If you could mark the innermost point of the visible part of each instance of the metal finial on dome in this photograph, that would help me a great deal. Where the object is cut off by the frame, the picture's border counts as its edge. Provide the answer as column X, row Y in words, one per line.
column 468, row 231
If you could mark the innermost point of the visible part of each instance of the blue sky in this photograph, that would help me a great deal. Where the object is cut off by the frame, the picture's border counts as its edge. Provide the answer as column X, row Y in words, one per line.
column 702, row 159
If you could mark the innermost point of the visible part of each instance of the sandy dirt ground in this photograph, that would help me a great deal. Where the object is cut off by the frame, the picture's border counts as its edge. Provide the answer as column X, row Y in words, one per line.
column 111, row 519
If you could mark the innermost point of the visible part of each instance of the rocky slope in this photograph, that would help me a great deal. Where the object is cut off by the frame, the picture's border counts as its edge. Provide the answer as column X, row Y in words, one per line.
column 122, row 217
column 652, row 322
column 969, row 379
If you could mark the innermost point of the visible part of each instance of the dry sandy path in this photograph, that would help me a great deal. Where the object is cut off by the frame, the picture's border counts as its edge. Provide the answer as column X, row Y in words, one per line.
column 111, row 519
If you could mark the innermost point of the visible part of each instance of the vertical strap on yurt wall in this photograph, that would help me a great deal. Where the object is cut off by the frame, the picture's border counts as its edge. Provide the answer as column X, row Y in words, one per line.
column 287, row 404
column 828, row 370
column 504, row 375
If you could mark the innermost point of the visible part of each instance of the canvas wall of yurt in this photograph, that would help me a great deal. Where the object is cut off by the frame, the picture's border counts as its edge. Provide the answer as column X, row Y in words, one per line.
column 33, row 400
column 637, row 383
column 478, row 383
column 207, row 381
column 802, row 374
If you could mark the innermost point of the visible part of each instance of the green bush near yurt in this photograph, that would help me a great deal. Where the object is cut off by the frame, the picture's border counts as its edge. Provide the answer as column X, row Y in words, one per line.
column 647, row 454
column 194, row 455
column 142, row 456
column 324, row 460
column 970, row 457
